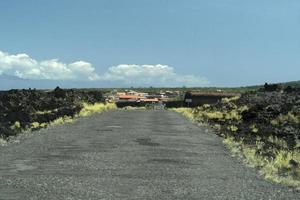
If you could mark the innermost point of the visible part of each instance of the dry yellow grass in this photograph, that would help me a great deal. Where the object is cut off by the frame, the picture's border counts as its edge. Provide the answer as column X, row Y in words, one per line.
column 16, row 126
column 3, row 142
column 89, row 109
column 279, row 169
column 289, row 117
column 62, row 120
column 227, row 100
column 187, row 112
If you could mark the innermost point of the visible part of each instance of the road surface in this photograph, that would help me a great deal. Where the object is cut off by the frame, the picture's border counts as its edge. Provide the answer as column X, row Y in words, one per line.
column 135, row 154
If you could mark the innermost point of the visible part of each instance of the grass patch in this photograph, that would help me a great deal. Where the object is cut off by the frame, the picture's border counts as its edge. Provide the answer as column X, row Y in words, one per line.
column 279, row 142
column 187, row 112
column 289, row 117
column 16, row 126
column 62, row 120
column 45, row 111
column 37, row 125
column 233, row 128
column 282, row 168
column 3, row 142
column 227, row 100
column 253, row 128
column 89, row 109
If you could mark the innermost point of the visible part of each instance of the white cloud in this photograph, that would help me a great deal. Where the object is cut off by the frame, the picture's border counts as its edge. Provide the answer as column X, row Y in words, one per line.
column 155, row 75
column 23, row 66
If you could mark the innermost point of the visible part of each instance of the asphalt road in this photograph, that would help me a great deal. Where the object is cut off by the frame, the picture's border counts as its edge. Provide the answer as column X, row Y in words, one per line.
column 128, row 155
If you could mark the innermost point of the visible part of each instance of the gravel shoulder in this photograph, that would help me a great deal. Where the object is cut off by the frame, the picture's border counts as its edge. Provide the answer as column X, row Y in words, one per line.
column 136, row 154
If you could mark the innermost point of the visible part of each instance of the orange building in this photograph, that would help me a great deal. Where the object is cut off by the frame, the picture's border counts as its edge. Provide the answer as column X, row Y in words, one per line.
column 128, row 97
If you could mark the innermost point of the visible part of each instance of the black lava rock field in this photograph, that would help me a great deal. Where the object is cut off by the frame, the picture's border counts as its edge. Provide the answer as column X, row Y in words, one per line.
column 272, row 114
column 258, row 114
column 263, row 126
column 20, row 108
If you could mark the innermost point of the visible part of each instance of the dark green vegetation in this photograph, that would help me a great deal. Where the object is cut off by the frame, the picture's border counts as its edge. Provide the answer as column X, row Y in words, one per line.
column 293, row 84
column 33, row 109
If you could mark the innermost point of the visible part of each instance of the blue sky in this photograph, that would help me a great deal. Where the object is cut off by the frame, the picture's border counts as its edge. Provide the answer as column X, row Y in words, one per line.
column 192, row 42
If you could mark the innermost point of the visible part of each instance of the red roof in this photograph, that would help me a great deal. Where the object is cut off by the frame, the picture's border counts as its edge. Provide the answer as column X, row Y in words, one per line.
column 128, row 97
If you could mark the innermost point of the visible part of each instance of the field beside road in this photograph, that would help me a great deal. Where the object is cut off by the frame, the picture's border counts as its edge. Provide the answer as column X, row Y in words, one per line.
column 260, row 127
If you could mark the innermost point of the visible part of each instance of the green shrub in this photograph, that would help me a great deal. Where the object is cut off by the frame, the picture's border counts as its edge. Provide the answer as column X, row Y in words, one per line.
column 233, row 128
column 289, row 117
column 16, row 126
column 214, row 115
column 279, row 142
column 37, row 125
column 253, row 128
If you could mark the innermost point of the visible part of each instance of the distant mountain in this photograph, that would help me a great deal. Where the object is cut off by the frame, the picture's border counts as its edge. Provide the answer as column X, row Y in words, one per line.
column 8, row 82
column 12, row 82
column 8, row 77
column 293, row 83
